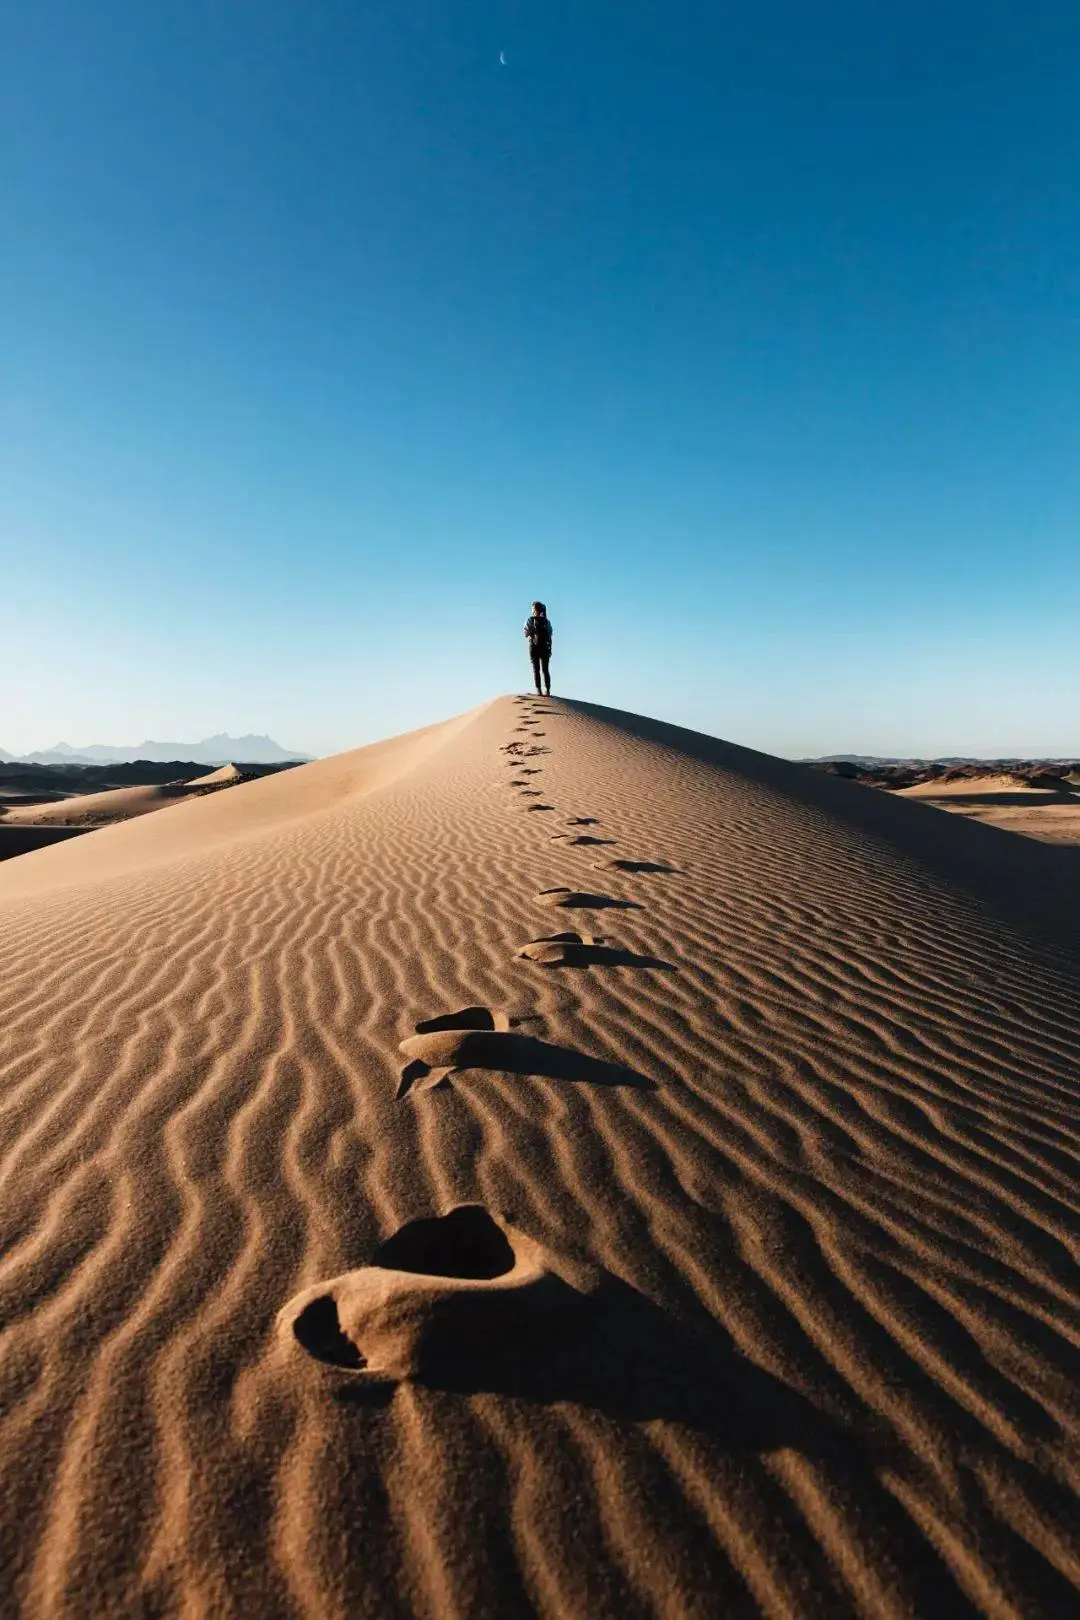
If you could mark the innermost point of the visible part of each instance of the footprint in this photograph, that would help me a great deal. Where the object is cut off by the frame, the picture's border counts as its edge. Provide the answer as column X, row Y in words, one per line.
column 530, row 807
column 435, row 1057
column 577, row 899
column 442, row 1296
column 582, row 821
column 574, row 842
column 421, row 1075
column 531, row 793
column 585, row 950
column 518, row 782
column 467, row 1018
column 614, row 864
column 553, row 950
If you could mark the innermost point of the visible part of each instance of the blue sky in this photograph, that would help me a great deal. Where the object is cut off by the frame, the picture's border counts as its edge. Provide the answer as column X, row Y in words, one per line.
column 745, row 335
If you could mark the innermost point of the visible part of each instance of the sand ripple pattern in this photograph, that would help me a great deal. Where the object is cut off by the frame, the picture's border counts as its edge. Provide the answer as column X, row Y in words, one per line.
column 853, row 1182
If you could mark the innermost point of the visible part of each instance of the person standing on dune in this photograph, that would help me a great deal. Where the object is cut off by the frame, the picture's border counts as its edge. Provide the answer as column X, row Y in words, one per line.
column 538, row 635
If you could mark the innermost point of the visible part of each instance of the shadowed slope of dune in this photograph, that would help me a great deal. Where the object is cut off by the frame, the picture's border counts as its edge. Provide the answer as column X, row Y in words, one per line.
column 832, row 1369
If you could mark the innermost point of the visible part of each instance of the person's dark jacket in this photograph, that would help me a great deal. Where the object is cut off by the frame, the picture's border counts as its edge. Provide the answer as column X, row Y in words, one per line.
column 538, row 630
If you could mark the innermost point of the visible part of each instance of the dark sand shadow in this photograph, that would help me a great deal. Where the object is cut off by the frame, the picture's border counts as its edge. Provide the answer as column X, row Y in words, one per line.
column 569, row 953
column 621, row 1355
column 436, row 1057
column 583, row 900
column 617, row 865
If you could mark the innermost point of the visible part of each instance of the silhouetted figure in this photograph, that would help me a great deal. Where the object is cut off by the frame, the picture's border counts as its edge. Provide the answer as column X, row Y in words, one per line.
column 538, row 635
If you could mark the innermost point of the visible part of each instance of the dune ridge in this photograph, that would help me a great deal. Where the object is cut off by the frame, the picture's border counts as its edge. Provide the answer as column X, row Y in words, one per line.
column 835, row 1370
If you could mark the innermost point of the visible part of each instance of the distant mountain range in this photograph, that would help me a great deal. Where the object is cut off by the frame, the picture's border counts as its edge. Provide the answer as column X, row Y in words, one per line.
column 940, row 759
column 219, row 750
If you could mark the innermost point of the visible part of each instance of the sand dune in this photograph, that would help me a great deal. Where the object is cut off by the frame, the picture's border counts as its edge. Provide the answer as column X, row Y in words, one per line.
column 96, row 809
column 370, row 1247
column 1050, row 814
column 117, row 804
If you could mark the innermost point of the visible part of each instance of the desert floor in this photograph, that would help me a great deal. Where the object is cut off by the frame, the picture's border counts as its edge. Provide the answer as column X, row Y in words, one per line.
column 775, row 1307
column 996, row 801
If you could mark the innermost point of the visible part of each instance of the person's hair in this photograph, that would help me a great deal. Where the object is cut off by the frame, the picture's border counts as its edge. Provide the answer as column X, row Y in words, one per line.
column 538, row 607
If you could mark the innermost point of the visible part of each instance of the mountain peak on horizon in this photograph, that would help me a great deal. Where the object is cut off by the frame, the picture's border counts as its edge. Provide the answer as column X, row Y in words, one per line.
column 220, row 749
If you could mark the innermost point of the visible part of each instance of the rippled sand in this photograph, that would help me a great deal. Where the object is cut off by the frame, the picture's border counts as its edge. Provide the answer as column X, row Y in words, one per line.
column 785, row 1098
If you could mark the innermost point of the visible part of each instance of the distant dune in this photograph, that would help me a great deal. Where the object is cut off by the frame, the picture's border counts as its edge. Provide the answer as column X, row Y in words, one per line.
column 1037, row 798
column 94, row 810
column 552, row 1162
column 1037, row 807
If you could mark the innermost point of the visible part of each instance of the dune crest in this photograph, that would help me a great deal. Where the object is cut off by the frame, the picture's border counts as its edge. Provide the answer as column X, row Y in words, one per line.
column 727, row 1263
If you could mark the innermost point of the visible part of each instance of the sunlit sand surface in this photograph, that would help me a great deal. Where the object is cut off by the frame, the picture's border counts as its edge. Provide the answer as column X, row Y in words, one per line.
column 410, row 1208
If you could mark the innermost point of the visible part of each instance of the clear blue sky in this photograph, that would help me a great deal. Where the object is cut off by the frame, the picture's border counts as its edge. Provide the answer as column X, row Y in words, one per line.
column 744, row 334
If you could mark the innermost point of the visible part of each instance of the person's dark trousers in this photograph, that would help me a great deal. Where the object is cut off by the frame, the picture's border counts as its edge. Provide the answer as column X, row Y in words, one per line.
column 540, row 657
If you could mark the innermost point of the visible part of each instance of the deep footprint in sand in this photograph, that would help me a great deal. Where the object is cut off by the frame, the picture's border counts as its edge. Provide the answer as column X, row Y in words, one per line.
column 574, row 843
column 529, row 807
column 420, row 1075
column 615, row 864
column 551, row 947
column 441, row 1294
column 580, row 900
column 440, row 1049
column 465, row 1018
column 584, row 950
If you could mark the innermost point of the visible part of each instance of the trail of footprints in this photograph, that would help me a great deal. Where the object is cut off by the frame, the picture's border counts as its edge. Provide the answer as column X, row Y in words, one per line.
column 439, row 1284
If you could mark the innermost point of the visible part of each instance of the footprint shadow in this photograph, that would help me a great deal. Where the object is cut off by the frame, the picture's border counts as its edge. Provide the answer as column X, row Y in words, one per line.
column 482, row 1309
column 633, row 1361
column 437, row 1055
column 578, row 951
column 434, row 1299
column 583, row 900
column 615, row 864
column 465, row 1018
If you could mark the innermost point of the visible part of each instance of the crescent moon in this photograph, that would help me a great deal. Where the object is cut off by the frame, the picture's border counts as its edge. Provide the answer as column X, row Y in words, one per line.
column 502, row 58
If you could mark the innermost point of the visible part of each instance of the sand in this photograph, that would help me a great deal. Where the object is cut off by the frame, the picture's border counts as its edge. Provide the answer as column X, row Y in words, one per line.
column 1048, row 814
column 717, row 1257
column 116, row 804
